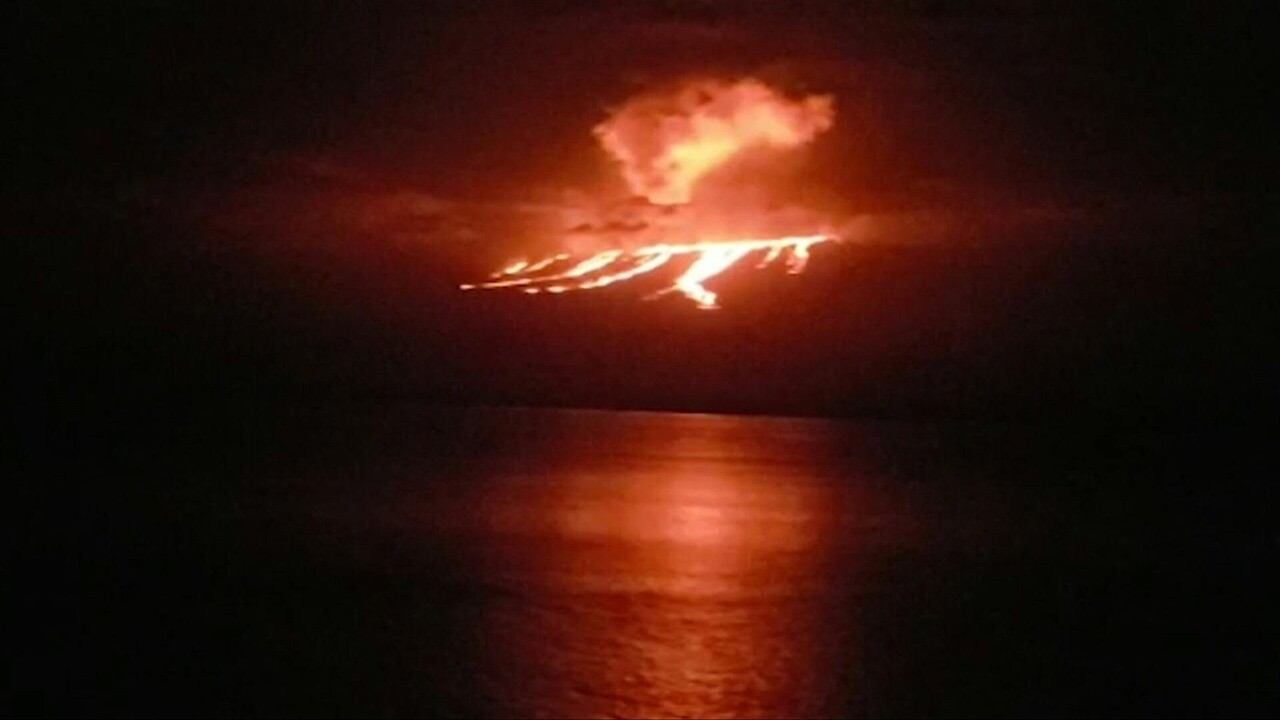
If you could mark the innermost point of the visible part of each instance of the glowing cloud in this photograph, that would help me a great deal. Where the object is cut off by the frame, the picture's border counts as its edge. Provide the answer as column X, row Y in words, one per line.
column 666, row 141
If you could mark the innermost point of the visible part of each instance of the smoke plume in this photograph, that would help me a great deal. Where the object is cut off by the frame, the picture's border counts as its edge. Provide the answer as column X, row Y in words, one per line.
column 665, row 141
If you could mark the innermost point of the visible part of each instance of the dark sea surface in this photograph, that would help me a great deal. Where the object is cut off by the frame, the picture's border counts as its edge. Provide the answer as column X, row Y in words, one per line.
column 396, row 559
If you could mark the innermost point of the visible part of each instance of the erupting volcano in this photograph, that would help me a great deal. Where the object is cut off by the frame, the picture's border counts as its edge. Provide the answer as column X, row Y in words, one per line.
column 665, row 144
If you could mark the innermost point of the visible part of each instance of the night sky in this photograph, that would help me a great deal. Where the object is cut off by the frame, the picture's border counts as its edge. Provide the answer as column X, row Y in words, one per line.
column 1066, row 206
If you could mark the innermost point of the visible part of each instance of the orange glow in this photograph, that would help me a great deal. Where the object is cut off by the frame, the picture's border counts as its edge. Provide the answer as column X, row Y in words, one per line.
column 511, row 269
column 665, row 142
column 710, row 259
column 709, row 264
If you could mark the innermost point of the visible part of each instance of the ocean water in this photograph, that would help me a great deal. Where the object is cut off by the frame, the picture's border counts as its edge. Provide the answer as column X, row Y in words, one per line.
column 389, row 560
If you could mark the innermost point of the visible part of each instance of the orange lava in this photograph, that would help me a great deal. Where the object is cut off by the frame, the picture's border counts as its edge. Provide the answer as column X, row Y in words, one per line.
column 559, row 274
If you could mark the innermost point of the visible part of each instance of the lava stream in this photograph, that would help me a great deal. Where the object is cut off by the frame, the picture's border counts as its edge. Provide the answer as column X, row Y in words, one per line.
column 596, row 271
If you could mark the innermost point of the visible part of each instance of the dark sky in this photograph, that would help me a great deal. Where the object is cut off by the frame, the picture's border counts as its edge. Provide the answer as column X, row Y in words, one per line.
column 231, row 199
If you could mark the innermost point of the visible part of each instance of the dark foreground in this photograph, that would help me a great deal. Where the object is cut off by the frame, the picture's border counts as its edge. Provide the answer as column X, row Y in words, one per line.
column 383, row 559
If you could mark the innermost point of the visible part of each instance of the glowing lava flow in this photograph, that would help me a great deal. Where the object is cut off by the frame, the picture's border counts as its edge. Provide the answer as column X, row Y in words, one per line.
column 665, row 141
column 613, row 266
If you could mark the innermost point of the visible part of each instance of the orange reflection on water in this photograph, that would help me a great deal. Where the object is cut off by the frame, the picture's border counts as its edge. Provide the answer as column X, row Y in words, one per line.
column 686, row 580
